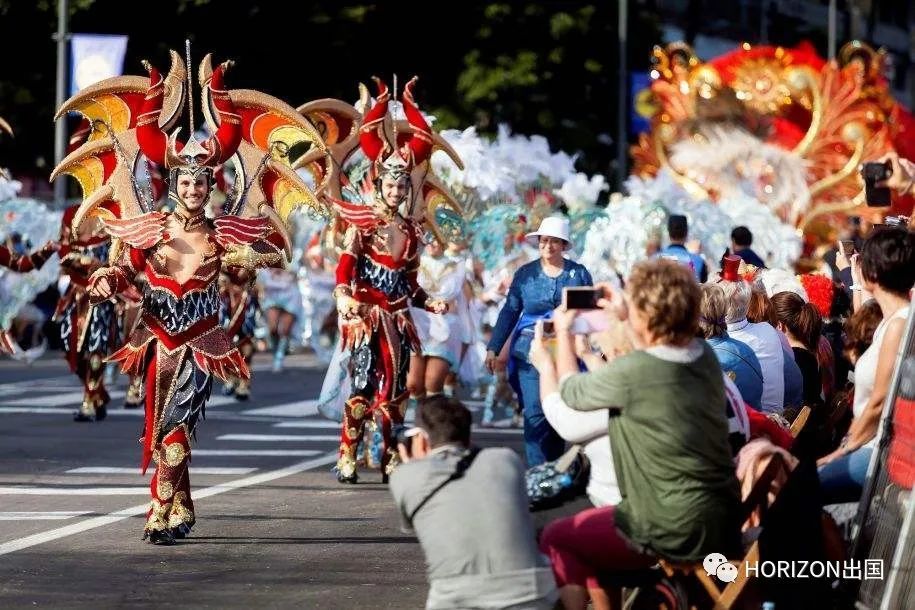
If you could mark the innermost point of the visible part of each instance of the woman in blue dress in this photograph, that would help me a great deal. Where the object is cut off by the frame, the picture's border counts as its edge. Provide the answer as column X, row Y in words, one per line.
column 536, row 290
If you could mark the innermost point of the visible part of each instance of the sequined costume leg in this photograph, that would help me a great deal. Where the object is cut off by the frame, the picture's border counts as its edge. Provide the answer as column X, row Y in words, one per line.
column 357, row 409
column 88, row 334
column 245, row 346
column 177, row 391
column 391, row 411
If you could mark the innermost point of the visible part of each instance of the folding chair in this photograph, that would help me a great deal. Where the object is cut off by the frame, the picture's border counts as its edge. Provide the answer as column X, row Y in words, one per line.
column 724, row 597
column 800, row 421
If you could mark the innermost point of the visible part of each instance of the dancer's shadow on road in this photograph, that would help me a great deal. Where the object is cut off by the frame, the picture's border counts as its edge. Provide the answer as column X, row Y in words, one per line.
column 276, row 517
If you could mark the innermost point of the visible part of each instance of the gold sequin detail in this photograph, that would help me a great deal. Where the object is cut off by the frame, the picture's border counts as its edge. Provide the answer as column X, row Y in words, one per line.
column 180, row 513
column 164, row 489
column 156, row 520
column 174, row 454
column 358, row 410
column 346, row 465
column 351, row 433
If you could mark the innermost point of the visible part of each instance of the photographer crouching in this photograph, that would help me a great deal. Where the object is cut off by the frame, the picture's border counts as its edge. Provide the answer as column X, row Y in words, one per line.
column 469, row 510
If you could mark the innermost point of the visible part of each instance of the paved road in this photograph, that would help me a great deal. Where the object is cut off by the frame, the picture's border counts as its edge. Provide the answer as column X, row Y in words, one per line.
column 274, row 528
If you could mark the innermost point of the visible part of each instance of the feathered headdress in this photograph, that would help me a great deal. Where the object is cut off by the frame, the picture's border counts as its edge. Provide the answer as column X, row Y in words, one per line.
column 130, row 117
column 396, row 155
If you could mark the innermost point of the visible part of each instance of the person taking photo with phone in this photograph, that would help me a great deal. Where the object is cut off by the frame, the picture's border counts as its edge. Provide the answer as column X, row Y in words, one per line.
column 668, row 435
column 536, row 290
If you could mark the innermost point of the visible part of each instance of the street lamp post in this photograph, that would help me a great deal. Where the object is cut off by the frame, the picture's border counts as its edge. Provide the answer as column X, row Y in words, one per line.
column 622, row 103
column 60, row 127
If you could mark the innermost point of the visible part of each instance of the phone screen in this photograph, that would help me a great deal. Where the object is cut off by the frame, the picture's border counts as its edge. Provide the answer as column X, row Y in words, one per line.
column 872, row 173
column 582, row 298
column 548, row 327
column 848, row 247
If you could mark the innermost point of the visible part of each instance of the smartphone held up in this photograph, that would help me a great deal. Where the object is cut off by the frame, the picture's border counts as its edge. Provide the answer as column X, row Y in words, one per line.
column 872, row 173
column 581, row 297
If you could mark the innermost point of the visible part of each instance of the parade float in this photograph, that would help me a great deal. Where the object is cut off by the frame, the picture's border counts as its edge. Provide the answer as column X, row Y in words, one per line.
column 767, row 137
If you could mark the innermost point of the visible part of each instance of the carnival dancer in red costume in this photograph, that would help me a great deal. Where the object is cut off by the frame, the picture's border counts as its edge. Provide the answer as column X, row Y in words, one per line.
column 89, row 333
column 376, row 280
column 239, row 318
column 178, row 343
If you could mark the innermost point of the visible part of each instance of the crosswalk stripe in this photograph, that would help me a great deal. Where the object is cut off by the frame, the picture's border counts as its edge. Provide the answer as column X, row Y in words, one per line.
column 301, row 408
column 278, row 437
column 114, row 517
column 497, row 430
column 24, row 490
column 194, row 470
column 499, row 426
column 257, row 452
column 218, row 400
column 49, row 515
column 52, row 404
column 55, row 400
column 312, row 423
column 66, row 411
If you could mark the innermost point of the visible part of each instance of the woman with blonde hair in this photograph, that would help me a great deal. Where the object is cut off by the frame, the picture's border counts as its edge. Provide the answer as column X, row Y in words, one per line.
column 668, row 436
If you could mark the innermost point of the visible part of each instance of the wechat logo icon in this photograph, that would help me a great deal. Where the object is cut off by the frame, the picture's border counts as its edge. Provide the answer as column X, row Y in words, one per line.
column 717, row 565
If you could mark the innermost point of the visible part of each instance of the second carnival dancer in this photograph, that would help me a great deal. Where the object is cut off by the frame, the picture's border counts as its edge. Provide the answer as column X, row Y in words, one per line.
column 377, row 282
column 239, row 318
column 89, row 333
column 179, row 344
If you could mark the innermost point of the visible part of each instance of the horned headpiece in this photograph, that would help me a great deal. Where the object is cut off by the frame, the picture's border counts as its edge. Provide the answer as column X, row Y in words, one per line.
column 193, row 157
column 398, row 154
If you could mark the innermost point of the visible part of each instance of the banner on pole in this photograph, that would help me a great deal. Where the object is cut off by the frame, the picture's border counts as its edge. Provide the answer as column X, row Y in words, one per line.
column 642, row 103
column 95, row 57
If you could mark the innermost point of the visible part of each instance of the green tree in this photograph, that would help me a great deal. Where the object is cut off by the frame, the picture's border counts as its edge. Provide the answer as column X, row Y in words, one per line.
column 547, row 68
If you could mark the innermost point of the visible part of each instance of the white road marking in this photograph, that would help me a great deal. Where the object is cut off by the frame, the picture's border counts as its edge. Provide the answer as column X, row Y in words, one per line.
column 257, row 452
column 118, row 470
column 65, row 411
column 55, row 400
column 499, row 426
column 26, row 490
column 278, row 437
column 140, row 509
column 313, row 423
column 218, row 400
column 478, row 429
column 50, row 405
column 301, row 408
column 48, row 515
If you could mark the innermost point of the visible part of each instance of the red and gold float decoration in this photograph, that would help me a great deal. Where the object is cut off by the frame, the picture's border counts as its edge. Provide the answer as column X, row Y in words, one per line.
column 830, row 115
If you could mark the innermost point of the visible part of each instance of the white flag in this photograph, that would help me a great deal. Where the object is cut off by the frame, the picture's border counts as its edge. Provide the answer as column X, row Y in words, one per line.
column 95, row 57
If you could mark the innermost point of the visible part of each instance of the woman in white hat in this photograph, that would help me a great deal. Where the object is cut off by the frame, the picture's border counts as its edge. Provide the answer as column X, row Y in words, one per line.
column 536, row 290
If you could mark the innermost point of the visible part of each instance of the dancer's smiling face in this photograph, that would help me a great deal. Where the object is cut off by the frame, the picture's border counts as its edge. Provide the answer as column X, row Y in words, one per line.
column 394, row 190
column 193, row 191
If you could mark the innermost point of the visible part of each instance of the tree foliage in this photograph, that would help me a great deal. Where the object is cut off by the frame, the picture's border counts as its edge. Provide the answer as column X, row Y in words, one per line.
column 540, row 67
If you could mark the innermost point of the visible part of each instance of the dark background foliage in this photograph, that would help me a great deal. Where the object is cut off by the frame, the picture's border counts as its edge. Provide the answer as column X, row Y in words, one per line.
column 541, row 67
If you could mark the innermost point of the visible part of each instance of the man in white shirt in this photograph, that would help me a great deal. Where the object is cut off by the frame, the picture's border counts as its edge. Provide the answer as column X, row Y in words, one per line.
column 762, row 338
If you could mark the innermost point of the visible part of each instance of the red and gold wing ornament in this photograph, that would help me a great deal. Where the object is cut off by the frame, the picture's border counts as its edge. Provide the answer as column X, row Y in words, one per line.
column 338, row 122
column 346, row 128
column 105, row 165
column 273, row 136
